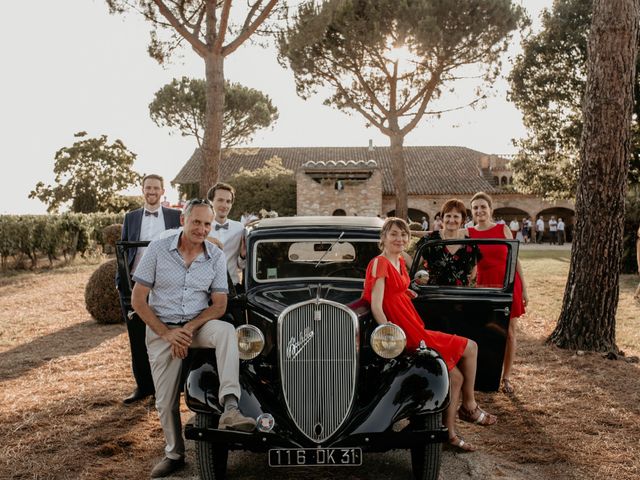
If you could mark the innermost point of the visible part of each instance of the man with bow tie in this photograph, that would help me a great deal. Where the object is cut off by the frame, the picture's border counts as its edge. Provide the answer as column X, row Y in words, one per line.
column 139, row 225
column 229, row 233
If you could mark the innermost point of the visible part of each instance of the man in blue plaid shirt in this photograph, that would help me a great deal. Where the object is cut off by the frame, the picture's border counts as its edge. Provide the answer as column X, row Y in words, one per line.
column 180, row 293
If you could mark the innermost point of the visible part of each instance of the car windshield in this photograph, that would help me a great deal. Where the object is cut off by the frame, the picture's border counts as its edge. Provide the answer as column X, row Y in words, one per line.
column 313, row 258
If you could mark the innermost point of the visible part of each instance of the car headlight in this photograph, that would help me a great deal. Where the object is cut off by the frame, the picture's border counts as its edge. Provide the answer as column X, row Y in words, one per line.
column 388, row 340
column 250, row 341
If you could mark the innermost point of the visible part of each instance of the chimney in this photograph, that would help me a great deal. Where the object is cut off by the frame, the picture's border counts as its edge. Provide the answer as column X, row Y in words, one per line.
column 370, row 145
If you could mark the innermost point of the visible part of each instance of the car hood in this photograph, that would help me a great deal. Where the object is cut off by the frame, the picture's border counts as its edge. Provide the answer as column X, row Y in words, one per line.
column 274, row 299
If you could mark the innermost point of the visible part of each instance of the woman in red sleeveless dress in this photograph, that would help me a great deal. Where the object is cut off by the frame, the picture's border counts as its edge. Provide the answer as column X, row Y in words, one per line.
column 491, row 270
column 386, row 288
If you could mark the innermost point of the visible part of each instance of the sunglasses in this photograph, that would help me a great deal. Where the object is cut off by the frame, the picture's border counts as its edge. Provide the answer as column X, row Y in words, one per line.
column 198, row 201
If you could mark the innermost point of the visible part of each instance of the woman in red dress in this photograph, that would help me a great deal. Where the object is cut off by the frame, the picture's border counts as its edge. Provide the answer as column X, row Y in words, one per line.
column 491, row 270
column 386, row 288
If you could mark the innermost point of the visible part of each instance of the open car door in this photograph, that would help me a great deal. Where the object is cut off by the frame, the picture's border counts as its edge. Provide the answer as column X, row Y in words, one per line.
column 480, row 313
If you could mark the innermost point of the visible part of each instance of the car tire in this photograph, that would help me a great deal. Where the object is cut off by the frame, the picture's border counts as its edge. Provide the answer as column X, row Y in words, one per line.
column 425, row 458
column 210, row 457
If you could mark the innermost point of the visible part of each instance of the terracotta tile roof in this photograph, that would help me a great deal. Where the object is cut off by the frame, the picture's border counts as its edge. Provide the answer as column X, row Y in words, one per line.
column 430, row 170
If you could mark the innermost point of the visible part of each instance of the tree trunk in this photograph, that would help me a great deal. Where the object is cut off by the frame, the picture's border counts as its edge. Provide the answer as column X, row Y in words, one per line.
column 212, row 141
column 399, row 176
column 587, row 320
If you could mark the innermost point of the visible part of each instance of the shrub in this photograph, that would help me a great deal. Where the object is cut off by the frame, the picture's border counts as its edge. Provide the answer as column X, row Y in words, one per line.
column 110, row 235
column 100, row 295
column 271, row 187
column 415, row 226
column 25, row 237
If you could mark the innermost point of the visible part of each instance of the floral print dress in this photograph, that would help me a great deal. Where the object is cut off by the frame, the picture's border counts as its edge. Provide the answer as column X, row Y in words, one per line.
column 446, row 267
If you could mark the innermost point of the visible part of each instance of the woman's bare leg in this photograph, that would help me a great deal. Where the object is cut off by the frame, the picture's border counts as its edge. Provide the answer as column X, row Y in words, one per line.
column 455, row 379
column 468, row 365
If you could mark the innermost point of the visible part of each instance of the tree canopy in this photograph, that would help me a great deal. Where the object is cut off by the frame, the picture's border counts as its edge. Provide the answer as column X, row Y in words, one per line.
column 214, row 31
column 390, row 60
column 271, row 187
column 88, row 176
column 547, row 85
column 181, row 105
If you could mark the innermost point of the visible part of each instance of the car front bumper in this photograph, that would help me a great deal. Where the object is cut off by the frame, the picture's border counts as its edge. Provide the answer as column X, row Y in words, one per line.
column 263, row 441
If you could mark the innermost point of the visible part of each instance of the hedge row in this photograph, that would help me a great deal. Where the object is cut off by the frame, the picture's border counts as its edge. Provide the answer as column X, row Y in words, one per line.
column 53, row 236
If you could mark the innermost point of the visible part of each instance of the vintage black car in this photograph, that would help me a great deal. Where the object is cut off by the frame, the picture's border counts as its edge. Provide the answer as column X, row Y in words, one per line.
column 324, row 381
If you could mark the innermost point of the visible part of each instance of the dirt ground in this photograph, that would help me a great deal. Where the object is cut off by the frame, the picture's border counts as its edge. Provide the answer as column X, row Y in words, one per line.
column 62, row 376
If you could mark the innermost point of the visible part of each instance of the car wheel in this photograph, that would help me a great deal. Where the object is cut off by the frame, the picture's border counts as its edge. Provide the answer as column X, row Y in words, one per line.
column 425, row 458
column 210, row 457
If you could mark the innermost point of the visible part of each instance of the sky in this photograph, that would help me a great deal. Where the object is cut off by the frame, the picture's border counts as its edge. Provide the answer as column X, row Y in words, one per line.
column 70, row 66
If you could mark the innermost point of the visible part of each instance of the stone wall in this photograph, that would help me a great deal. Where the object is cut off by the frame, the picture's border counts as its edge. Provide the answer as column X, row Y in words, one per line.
column 357, row 197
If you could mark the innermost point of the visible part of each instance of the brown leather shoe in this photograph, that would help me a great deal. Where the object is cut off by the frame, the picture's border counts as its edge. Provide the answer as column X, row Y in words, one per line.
column 166, row 467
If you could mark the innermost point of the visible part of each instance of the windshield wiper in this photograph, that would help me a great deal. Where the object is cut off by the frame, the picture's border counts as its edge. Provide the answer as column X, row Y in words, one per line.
column 328, row 250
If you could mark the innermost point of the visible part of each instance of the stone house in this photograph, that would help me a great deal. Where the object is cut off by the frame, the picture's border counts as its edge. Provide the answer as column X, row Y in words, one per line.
column 358, row 180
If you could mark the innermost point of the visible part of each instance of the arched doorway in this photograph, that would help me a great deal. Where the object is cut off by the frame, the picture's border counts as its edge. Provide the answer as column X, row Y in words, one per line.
column 567, row 215
column 509, row 213
column 339, row 212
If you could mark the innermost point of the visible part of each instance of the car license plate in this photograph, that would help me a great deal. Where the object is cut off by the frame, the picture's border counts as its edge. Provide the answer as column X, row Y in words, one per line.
column 299, row 457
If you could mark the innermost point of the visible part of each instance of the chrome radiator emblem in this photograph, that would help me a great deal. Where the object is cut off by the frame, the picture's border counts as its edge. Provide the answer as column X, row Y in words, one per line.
column 318, row 358
column 297, row 344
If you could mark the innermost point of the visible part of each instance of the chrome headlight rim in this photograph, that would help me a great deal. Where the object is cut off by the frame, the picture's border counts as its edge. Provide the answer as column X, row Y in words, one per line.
column 251, row 353
column 388, row 329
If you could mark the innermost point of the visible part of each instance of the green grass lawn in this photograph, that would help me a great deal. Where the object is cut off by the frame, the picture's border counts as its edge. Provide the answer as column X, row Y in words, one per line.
column 546, row 273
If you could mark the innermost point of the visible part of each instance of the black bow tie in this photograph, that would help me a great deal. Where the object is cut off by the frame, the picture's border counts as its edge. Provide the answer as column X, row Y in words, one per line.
column 147, row 213
column 225, row 226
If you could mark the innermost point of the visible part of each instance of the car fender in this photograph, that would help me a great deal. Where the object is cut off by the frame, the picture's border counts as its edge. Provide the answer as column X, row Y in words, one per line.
column 410, row 386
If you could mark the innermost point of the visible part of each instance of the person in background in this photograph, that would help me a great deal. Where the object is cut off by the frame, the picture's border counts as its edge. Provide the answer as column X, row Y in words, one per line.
column 139, row 225
column 386, row 288
column 561, row 228
column 229, row 233
column 491, row 272
column 553, row 230
column 425, row 224
column 180, row 294
column 468, row 223
column 526, row 229
column 514, row 226
column 248, row 217
column 437, row 222
column 539, row 229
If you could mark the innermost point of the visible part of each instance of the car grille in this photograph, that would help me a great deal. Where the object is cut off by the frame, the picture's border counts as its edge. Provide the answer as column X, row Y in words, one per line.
column 318, row 353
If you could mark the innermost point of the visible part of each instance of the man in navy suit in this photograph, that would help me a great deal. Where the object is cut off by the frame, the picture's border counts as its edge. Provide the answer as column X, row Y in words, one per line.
column 144, row 224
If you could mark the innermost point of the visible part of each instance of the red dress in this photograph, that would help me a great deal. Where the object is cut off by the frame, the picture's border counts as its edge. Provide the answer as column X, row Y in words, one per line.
column 399, row 309
column 492, row 265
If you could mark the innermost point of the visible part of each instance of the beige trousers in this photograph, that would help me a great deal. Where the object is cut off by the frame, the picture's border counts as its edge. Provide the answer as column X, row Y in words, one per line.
column 165, row 370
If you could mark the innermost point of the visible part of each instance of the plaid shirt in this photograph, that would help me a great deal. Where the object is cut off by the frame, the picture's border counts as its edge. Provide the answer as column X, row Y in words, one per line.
column 179, row 293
